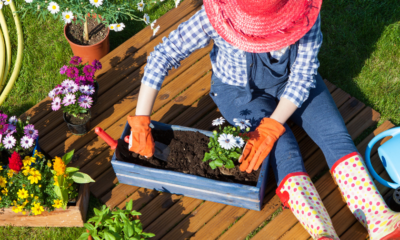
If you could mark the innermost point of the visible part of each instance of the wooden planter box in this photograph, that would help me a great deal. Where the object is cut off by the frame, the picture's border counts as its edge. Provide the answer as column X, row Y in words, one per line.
column 190, row 185
column 73, row 216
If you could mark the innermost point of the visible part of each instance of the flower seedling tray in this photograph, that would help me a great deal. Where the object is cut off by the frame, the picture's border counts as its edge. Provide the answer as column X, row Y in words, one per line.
column 250, row 197
column 73, row 216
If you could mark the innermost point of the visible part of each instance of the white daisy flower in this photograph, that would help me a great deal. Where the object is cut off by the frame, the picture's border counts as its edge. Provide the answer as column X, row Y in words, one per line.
column 112, row 26
column 226, row 141
column 52, row 94
column 242, row 123
column 13, row 120
column 1, row 5
column 53, row 8
column 26, row 142
column 146, row 18
column 28, row 1
column 67, row 17
column 218, row 121
column 140, row 6
column 119, row 27
column 177, row 3
column 156, row 30
column 6, row 2
column 96, row 3
column 239, row 142
column 152, row 24
column 9, row 141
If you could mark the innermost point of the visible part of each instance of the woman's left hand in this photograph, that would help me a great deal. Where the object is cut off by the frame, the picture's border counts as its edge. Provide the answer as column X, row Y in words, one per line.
column 261, row 141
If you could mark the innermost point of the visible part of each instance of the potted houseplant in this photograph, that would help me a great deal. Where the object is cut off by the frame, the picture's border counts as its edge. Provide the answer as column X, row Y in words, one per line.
column 17, row 136
column 117, row 224
column 89, row 22
column 76, row 95
column 198, row 165
column 32, row 185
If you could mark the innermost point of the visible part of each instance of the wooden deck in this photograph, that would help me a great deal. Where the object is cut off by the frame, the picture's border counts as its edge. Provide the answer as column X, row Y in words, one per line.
column 184, row 100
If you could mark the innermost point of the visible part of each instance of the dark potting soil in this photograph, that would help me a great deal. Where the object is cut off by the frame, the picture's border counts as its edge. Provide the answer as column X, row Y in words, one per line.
column 97, row 32
column 81, row 118
column 187, row 150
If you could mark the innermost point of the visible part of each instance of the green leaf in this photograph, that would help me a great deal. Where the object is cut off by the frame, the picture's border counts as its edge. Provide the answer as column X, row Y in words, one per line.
column 234, row 155
column 68, row 157
column 229, row 164
column 71, row 169
column 149, row 235
column 89, row 226
column 108, row 235
column 219, row 163
column 207, row 156
column 212, row 165
column 129, row 205
column 84, row 236
column 81, row 178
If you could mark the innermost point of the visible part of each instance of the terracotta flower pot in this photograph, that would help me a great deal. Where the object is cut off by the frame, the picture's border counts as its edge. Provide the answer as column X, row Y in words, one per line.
column 88, row 53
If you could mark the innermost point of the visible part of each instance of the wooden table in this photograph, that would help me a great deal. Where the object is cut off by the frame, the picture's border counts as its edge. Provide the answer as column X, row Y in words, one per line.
column 184, row 100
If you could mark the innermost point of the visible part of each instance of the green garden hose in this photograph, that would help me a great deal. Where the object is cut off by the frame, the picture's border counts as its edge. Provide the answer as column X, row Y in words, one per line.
column 2, row 56
column 7, row 50
column 18, row 61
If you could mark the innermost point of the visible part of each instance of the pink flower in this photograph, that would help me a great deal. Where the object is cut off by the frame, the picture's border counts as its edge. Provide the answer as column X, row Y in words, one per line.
column 56, row 104
column 85, row 101
column 63, row 69
column 31, row 132
column 69, row 99
column 75, row 60
column 11, row 129
column 89, row 70
column 72, row 72
column 80, row 79
column 3, row 117
column 97, row 65
column 3, row 127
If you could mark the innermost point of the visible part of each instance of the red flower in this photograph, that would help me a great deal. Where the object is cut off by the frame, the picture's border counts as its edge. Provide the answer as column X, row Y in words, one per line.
column 15, row 162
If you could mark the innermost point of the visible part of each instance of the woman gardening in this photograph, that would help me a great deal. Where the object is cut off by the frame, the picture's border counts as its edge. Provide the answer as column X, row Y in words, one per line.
column 265, row 66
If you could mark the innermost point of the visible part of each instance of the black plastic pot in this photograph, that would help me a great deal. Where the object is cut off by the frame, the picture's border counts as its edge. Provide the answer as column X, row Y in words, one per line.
column 95, row 94
column 78, row 129
column 393, row 201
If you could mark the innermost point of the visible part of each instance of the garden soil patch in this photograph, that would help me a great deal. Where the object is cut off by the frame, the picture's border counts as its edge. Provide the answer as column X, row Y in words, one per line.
column 187, row 150
column 81, row 118
column 97, row 32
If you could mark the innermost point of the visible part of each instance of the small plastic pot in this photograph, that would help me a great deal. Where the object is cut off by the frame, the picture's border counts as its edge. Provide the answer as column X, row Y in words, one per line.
column 78, row 129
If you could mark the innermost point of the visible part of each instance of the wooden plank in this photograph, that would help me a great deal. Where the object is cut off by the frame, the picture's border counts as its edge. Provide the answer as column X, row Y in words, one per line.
column 370, row 117
column 355, row 232
column 364, row 143
column 331, row 87
column 194, row 221
column 112, row 198
column 104, row 183
column 341, row 96
column 108, row 80
column 41, row 109
column 140, row 198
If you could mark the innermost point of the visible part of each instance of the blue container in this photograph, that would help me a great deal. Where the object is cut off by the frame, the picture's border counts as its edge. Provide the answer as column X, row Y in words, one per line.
column 190, row 185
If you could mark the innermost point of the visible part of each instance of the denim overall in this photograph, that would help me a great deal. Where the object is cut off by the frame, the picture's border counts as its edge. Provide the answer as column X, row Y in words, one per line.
column 318, row 115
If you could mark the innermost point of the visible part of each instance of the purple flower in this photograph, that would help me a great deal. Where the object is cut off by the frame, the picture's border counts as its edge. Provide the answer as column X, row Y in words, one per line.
column 72, row 72
column 66, row 83
column 26, row 142
column 3, row 117
column 58, row 90
column 89, row 70
column 31, row 132
column 56, row 104
column 89, row 80
column 63, row 69
column 85, row 101
column 13, row 120
column 52, row 94
column 3, row 127
column 75, row 60
column 10, row 130
column 86, row 89
column 72, row 88
column 80, row 79
column 69, row 99
column 9, row 141
column 91, row 90
column 97, row 65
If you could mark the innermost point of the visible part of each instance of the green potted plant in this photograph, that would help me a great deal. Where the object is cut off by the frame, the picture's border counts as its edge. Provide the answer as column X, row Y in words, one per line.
column 117, row 224
column 88, row 22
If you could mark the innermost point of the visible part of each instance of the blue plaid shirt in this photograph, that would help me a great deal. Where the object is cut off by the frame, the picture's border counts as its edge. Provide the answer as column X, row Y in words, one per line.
column 229, row 62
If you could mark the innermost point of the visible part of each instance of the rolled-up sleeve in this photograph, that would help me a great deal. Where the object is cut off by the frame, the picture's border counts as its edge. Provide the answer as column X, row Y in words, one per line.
column 188, row 37
column 304, row 69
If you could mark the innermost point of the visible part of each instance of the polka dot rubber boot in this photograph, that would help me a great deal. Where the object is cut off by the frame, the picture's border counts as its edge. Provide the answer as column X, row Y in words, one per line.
column 363, row 199
column 298, row 193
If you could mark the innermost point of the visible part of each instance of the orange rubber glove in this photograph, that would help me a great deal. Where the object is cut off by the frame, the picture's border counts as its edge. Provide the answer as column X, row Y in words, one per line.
column 261, row 141
column 141, row 141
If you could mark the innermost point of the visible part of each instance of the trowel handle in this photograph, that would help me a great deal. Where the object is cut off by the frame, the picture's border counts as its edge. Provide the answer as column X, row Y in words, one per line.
column 391, row 132
column 111, row 142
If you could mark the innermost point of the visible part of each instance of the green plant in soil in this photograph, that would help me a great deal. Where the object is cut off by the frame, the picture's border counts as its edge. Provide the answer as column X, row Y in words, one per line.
column 226, row 145
column 117, row 224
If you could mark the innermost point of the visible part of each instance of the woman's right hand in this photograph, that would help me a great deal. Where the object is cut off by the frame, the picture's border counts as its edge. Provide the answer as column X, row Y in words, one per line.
column 141, row 141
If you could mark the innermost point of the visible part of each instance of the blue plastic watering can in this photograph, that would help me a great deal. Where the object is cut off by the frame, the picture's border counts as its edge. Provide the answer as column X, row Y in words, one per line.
column 389, row 154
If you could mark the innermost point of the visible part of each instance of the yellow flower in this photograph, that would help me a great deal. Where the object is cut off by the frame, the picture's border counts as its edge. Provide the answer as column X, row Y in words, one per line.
column 10, row 173
column 32, row 170
column 3, row 182
column 23, row 185
column 15, row 209
column 49, row 164
column 38, row 154
column 28, row 160
column 57, row 203
column 59, row 166
column 0, row 198
column 4, row 191
column 1, row 168
column 23, row 212
column 56, row 181
column 35, row 177
column 32, row 195
column 22, row 193
column 26, row 170
column 36, row 197
column 37, row 209
column 40, row 185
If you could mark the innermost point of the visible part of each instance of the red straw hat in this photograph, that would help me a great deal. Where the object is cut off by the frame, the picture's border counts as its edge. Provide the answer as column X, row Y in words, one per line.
column 262, row 25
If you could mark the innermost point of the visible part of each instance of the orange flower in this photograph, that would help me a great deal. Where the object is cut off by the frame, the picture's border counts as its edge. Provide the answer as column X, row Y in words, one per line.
column 59, row 166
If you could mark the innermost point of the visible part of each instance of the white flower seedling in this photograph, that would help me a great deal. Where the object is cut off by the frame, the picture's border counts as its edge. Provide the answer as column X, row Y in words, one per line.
column 140, row 6
column 53, row 8
column 6, row 2
column 96, row 3
column 67, row 17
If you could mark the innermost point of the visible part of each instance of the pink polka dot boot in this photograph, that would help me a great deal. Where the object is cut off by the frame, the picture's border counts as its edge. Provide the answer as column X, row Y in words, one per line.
column 298, row 193
column 364, row 200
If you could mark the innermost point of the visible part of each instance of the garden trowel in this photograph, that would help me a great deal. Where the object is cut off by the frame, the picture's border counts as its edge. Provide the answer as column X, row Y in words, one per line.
column 121, row 147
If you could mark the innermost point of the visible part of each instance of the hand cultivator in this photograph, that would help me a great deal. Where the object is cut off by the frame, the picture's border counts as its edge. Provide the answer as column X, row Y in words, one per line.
column 5, row 54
